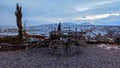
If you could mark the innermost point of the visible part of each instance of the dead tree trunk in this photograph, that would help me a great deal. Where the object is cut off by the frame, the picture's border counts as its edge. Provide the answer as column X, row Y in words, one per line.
column 18, row 15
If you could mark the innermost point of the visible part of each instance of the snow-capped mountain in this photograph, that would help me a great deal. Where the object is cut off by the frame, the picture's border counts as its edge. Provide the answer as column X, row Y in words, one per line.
column 86, row 23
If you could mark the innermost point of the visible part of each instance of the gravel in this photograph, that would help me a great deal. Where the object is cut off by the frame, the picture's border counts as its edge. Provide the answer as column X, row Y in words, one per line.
column 93, row 56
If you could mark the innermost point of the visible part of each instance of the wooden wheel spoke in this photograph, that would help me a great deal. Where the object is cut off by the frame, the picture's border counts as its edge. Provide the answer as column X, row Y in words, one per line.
column 55, row 46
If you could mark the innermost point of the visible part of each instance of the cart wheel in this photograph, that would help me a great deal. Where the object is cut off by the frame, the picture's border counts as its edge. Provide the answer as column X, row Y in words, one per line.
column 82, row 45
column 82, row 42
column 72, row 48
column 55, row 47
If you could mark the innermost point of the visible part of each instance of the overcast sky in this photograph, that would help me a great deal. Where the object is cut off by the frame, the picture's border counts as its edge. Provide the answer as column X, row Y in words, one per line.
column 37, row 12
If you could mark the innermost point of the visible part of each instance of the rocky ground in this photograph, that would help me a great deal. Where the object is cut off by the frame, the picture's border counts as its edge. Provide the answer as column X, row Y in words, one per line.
column 93, row 56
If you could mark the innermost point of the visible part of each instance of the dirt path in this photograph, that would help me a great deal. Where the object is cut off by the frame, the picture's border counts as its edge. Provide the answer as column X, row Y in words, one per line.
column 92, row 57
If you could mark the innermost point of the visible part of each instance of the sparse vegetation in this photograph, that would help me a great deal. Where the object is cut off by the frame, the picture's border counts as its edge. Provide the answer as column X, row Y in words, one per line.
column 11, row 40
